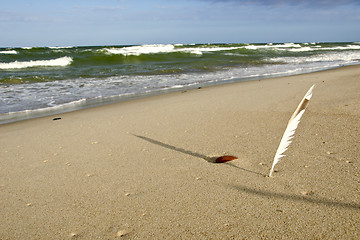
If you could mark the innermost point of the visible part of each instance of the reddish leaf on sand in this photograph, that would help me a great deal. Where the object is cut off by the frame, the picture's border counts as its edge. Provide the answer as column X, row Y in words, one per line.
column 225, row 159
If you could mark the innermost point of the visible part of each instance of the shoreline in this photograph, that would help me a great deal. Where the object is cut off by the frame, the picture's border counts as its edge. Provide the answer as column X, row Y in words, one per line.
column 140, row 169
column 82, row 104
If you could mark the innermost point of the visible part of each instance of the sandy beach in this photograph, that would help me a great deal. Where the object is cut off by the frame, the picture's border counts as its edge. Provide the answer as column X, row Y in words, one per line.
column 143, row 169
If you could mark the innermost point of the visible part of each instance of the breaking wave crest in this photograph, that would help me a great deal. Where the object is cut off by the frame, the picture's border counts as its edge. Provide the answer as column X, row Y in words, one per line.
column 8, row 52
column 59, row 62
column 165, row 48
column 200, row 49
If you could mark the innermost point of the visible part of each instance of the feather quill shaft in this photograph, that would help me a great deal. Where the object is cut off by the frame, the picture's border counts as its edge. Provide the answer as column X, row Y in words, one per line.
column 290, row 129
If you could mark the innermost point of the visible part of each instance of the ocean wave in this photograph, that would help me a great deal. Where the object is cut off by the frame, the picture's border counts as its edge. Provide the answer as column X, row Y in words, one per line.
column 273, row 46
column 142, row 49
column 295, row 47
column 344, row 57
column 50, row 47
column 165, row 48
column 103, row 74
column 209, row 49
column 317, row 48
column 8, row 52
column 199, row 50
column 58, row 62
column 349, row 47
column 61, row 47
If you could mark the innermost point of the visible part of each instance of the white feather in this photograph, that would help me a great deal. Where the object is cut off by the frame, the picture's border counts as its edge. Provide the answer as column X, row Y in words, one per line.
column 290, row 129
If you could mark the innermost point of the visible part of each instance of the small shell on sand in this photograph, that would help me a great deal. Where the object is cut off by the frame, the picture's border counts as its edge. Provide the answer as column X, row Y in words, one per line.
column 74, row 235
column 122, row 233
column 223, row 159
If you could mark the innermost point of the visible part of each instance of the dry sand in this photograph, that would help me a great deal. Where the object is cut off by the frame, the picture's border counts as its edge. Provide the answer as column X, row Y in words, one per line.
column 140, row 169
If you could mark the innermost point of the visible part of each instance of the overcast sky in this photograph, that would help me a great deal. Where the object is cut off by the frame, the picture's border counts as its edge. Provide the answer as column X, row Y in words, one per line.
column 128, row 22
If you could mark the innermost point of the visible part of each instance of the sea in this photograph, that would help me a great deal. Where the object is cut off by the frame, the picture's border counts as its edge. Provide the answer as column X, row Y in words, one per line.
column 41, row 81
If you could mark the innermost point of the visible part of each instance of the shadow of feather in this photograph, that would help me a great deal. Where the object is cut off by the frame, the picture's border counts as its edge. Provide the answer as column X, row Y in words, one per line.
column 206, row 158
column 320, row 201
column 198, row 155
column 247, row 170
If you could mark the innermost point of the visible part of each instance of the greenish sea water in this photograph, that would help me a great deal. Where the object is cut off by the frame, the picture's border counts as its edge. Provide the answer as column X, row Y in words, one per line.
column 41, row 80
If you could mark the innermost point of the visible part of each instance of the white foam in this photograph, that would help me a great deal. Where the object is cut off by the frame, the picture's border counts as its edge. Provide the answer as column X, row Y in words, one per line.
column 177, row 86
column 318, row 47
column 143, row 49
column 302, row 49
column 274, row 46
column 164, row 48
column 8, row 52
column 61, row 47
column 207, row 49
column 348, row 47
column 344, row 57
column 293, row 47
column 59, row 62
column 27, row 114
